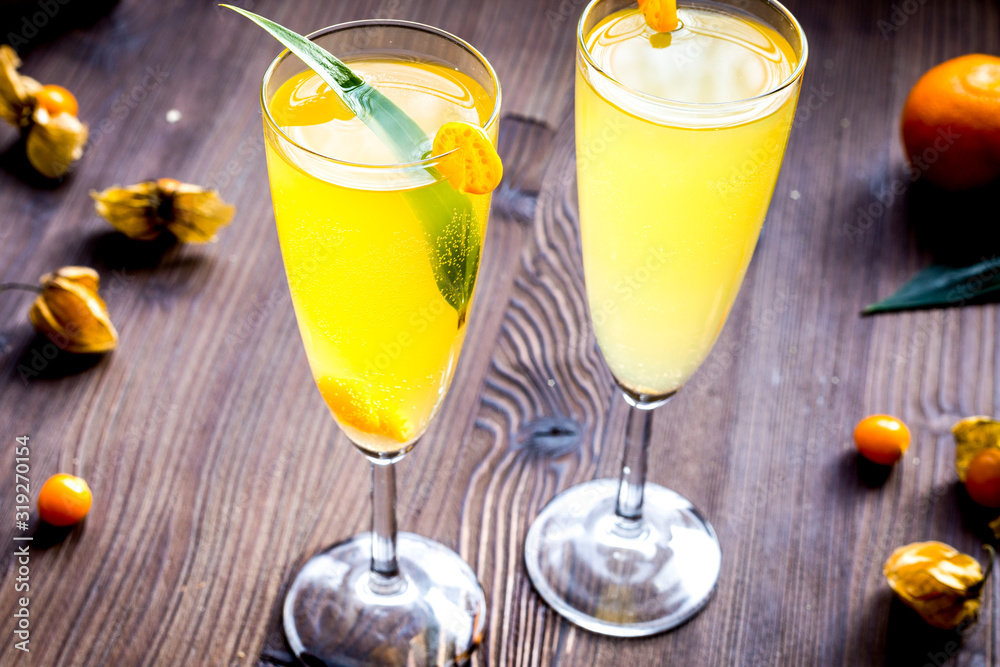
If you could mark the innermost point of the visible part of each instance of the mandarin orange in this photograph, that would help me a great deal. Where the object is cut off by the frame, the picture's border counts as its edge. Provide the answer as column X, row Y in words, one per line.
column 951, row 123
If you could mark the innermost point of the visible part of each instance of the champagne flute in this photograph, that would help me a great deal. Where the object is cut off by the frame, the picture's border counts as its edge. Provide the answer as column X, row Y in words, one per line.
column 381, row 260
column 680, row 138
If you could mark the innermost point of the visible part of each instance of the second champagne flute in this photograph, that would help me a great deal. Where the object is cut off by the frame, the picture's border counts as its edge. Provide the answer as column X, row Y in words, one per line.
column 679, row 137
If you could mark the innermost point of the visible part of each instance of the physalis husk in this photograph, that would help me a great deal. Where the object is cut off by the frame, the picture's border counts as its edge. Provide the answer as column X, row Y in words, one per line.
column 941, row 584
column 53, row 141
column 71, row 314
column 145, row 210
column 973, row 435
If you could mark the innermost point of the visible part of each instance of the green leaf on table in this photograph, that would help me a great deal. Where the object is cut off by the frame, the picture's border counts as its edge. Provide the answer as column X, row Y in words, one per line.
column 447, row 215
column 943, row 286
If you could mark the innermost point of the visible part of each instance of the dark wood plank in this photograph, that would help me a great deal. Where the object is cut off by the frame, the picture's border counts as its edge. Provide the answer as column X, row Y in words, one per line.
column 217, row 470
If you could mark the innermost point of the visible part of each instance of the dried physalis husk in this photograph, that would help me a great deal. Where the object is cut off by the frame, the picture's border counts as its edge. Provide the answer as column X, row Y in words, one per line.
column 145, row 210
column 53, row 141
column 71, row 314
column 973, row 435
column 17, row 93
column 941, row 584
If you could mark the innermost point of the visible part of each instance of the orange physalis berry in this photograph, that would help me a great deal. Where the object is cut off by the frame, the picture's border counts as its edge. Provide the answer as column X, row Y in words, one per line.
column 64, row 500
column 982, row 479
column 475, row 166
column 881, row 439
column 661, row 15
column 352, row 405
column 56, row 100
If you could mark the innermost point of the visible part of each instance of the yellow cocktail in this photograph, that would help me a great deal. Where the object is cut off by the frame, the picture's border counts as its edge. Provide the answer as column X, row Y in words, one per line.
column 381, row 338
column 381, row 230
column 671, row 203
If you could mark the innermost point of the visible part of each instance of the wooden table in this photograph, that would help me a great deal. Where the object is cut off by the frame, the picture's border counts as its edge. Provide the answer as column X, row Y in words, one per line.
column 217, row 470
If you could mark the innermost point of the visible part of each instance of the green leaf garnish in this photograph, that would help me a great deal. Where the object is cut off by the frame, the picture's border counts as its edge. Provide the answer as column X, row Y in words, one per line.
column 447, row 216
column 943, row 286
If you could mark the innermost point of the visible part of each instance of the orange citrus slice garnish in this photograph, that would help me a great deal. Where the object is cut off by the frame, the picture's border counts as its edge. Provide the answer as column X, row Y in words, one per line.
column 661, row 15
column 353, row 406
column 475, row 167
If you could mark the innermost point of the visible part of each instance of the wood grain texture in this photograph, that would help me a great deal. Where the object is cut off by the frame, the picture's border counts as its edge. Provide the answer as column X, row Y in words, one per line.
column 217, row 470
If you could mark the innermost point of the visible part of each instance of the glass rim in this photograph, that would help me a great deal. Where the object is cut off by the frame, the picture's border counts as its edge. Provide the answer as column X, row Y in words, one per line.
column 428, row 161
column 581, row 47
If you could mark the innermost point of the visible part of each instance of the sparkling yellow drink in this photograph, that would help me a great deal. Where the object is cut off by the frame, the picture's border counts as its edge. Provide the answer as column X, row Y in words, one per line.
column 673, row 182
column 381, row 338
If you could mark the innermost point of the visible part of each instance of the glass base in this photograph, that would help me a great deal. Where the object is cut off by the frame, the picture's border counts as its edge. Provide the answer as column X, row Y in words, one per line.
column 618, row 577
column 333, row 616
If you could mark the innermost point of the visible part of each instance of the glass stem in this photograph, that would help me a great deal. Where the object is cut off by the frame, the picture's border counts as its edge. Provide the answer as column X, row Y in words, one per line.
column 637, row 434
column 385, row 578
